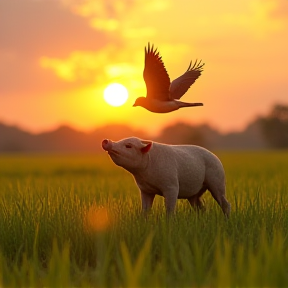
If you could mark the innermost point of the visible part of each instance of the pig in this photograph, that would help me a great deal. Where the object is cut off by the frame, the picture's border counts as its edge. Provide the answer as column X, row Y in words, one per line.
column 172, row 171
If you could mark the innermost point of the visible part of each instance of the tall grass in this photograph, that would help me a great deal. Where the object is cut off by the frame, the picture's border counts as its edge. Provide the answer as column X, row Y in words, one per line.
column 76, row 221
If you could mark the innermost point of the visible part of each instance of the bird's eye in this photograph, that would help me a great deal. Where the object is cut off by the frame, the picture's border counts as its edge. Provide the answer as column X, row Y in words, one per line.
column 128, row 146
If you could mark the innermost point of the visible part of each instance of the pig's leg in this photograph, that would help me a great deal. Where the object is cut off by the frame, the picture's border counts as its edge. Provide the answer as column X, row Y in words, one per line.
column 195, row 200
column 218, row 193
column 170, row 200
column 147, row 201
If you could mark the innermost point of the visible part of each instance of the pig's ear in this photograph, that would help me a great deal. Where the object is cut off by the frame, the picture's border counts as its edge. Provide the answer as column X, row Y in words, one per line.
column 146, row 146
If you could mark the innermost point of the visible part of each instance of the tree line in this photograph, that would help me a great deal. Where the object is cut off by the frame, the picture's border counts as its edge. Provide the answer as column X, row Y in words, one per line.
column 275, row 127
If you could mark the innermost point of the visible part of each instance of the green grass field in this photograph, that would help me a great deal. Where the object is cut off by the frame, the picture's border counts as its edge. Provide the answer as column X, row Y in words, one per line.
column 75, row 221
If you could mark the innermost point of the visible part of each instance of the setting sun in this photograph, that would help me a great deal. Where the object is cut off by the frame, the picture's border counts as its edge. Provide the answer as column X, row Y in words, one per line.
column 115, row 94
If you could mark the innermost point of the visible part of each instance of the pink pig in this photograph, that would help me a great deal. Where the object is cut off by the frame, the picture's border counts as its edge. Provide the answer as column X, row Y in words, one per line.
column 172, row 171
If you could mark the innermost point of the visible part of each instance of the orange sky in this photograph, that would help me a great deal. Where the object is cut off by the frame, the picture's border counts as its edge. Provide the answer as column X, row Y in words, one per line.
column 57, row 57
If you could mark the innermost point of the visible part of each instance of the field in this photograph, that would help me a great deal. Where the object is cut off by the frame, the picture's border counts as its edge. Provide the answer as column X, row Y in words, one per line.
column 75, row 221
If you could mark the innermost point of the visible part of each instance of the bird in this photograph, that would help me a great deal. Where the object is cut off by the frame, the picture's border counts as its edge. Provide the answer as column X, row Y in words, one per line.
column 163, row 96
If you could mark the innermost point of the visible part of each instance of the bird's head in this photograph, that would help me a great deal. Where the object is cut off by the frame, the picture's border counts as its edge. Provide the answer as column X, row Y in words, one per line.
column 141, row 101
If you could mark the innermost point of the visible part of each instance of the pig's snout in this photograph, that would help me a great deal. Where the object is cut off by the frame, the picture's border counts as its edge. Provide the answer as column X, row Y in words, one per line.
column 106, row 144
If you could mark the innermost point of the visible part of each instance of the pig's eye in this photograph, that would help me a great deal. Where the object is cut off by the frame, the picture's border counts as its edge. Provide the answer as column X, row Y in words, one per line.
column 128, row 146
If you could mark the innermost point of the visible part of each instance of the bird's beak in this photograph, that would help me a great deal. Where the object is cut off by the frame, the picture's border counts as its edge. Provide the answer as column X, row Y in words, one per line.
column 134, row 105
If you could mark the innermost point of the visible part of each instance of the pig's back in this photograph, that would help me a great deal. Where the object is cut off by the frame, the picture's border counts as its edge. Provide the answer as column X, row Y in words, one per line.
column 185, row 154
column 194, row 165
column 199, row 156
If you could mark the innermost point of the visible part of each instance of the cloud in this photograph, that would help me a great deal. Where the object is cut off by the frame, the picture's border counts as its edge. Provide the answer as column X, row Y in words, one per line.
column 79, row 65
column 71, row 37
column 109, row 64
column 258, row 21
column 117, row 15
column 98, row 68
column 68, row 50
column 31, row 29
column 125, row 23
column 279, row 9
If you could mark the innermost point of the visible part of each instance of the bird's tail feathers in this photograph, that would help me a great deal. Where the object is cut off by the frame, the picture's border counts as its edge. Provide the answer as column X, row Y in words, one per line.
column 185, row 104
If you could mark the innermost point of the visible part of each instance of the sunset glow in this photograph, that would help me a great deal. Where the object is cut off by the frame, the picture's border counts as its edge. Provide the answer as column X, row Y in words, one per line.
column 115, row 94
column 57, row 77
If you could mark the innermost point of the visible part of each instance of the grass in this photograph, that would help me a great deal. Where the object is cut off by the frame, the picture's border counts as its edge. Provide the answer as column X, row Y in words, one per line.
column 75, row 221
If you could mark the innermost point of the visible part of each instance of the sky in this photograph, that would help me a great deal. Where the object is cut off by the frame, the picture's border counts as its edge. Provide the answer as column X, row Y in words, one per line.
column 58, row 56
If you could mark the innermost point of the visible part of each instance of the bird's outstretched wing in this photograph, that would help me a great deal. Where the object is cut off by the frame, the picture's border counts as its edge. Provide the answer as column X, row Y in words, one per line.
column 155, row 75
column 180, row 85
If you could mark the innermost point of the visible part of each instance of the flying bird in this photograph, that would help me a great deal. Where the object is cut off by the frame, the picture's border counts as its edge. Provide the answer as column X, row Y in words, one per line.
column 162, row 97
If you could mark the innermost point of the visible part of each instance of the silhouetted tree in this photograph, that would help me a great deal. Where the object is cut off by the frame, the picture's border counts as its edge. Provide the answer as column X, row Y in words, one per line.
column 181, row 133
column 275, row 127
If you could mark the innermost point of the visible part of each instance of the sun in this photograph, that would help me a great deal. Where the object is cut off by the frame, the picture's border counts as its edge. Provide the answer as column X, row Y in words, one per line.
column 115, row 94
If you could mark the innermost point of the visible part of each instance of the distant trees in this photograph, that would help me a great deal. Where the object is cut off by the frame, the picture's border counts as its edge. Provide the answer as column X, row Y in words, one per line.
column 182, row 133
column 275, row 127
column 268, row 131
